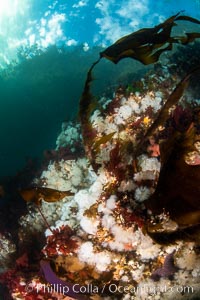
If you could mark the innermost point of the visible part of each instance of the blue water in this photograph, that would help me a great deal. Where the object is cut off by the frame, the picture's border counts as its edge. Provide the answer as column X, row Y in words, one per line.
column 38, row 92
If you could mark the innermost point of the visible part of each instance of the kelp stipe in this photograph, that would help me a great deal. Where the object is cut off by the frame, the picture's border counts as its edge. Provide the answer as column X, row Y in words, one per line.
column 86, row 106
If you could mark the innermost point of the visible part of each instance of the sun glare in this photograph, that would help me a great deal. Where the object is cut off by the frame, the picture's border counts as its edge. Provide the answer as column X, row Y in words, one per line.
column 10, row 7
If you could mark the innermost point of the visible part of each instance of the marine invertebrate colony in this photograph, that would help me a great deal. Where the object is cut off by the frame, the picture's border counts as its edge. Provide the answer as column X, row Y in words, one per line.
column 111, row 237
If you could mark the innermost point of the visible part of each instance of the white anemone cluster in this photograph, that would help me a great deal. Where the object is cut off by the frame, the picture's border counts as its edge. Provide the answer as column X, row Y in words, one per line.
column 133, row 105
column 106, row 239
column 7, row 249
column 70, row 133
column 68, row 174
column 101, row 260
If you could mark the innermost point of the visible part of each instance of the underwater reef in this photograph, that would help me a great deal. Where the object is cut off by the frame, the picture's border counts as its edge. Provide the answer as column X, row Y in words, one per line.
column 115, row 211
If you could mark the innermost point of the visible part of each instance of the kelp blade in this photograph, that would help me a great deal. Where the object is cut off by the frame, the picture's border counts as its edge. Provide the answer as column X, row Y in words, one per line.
column 103, row 140
column 178, row 189
column 36, row 194
column 164, row 112
column 129, row 45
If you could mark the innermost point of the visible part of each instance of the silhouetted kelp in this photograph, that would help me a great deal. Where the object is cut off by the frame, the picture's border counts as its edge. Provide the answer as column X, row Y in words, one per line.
column 143, row 44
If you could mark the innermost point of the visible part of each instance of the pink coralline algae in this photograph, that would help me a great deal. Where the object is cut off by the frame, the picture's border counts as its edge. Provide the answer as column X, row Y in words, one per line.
column 17, row 283
column 61, row 242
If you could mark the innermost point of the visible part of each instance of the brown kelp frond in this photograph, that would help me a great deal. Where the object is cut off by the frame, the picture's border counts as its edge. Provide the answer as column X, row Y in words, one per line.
column 86, row 98
column 36, row 194
column 184, row 142
column 172, row 100
column 178, row 190
column 152, row 58
column 86, row 105
column 188, row 219
column 188, row 143
column 142, row 44
column 187, row 18
column 164, row 112
column 102, row 140
column 189, row 38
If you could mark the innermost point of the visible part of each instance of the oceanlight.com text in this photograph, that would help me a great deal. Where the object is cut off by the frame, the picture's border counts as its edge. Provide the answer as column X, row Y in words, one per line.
column 150, row 289
column 111, row 289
